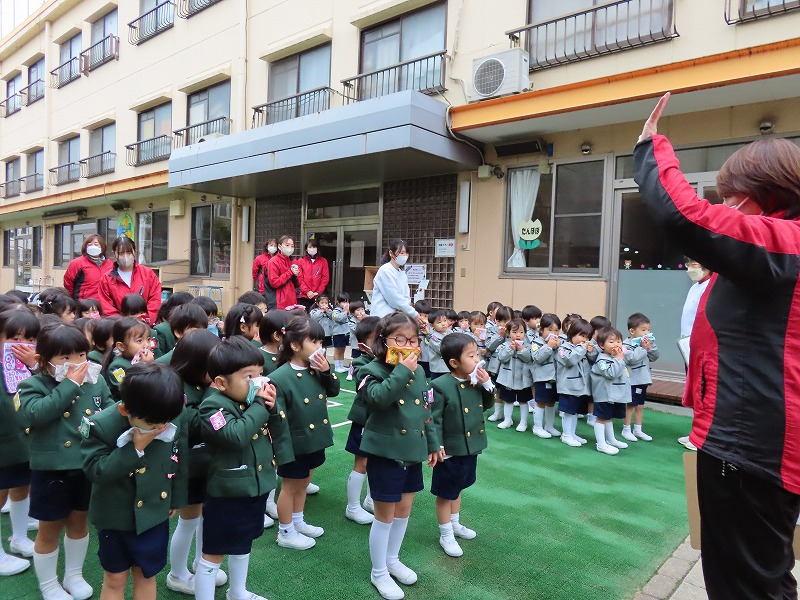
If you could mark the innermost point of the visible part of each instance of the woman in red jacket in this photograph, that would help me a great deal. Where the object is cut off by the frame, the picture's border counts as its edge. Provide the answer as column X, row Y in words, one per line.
column 260, row 278
column 283, row 275
column 82, row 279
column 314, row 275
column 129, row 277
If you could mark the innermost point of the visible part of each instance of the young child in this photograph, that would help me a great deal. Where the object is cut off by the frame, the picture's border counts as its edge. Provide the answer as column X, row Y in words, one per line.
column 424, row 308
column 135, row 456
column 102, row 339
column 639, row 350
column 598, row 322
column 254, row 298
column 572, row 379
column 303, row 382
column 565, row 324
column 365, row 333
column 341, row 330
column 89, row 308
column 543, row 352
column 244, row 319
column 491, row 310
column 131, row 345
column 190, row 362
column 243, row 429
column 134, row 305
column 162, row 332
column 611, row 388
column 271, row 334
column 54, row 403
column 496, row 335
column 514, row 378
column 531, row 315
column 357, row 314
column 322, row 314
column 462, row 323
column 18, row 328
column 183, row 319
column 397, row 398
column 440, row 327
column 459, row 403
column 60, row 305
column 452, row 317
column 477, row 331
column 212, row 312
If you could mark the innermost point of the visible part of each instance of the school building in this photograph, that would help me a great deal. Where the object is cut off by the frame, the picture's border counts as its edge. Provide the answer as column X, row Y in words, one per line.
column 495, row 137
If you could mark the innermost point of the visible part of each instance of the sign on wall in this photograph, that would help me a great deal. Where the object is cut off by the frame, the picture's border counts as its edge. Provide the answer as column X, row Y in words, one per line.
column 529, row 232
column 416, row 273
column 445, row 248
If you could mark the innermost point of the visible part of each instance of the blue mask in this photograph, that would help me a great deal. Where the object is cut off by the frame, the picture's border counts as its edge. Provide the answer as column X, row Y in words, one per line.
column 255, row 385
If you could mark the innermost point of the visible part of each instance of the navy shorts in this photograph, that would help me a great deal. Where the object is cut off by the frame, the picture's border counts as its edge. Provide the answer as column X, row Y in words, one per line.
column 231, row 524
column 609, row 410
column 508, row 395
column 389, row 479
column 355, row 353
column 353, row 445
column 426, row 366
column 14, row 476
column 573, row 405
column 327, row 341
column 118, row 551
column 453, row 475
column 545, row 392
column 55, row 494
column 341, row 340
column 301, row 467
column 197, row 490
column 638, row 394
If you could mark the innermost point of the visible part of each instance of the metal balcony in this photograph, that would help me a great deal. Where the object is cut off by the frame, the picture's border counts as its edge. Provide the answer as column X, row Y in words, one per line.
column 11, row 105
column 189, row 8
column 151, row 23
column 195, row 133
column 603, row 29
column 11, row 188
column 32, row 92
column 99, row 54
column 305, row 103
column 148, row 151
column 32, row 183
column 65, row 73
column 99, row 164
column 744, row 11
column 65, row 173
column 425, row 74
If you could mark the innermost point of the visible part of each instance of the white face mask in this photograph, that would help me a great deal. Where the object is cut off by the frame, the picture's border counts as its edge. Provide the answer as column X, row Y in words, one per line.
column 287, row 250
column 401, row 260
column 125, row 261
column 695, row 273
column 272, row 249
column 92, row 374
column 93, row 251
column 312, row 252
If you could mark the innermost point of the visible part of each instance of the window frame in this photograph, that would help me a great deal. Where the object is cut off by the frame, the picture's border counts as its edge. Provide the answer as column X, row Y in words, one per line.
column 153, row 110
column 141, row 242
column 207, row 101
column 297, row 57
column 104, row 27
column 209, row 274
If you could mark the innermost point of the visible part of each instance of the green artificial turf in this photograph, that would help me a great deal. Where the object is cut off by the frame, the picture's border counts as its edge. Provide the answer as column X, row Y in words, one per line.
column 553, row 522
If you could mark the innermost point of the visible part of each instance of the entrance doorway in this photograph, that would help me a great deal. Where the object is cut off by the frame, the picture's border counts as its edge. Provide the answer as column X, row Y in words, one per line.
column 348, row 249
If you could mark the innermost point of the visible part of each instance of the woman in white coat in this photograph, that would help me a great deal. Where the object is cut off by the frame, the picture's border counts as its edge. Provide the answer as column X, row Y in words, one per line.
column 390, row 287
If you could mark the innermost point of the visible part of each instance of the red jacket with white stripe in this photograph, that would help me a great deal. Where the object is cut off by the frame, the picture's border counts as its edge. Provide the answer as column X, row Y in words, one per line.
column 144, row 282
column 744, row 366
column 82, row 278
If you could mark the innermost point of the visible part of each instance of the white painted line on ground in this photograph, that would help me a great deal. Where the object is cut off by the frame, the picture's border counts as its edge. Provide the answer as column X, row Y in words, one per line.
column 332, row 404
column 348, row 391
column 340, row 424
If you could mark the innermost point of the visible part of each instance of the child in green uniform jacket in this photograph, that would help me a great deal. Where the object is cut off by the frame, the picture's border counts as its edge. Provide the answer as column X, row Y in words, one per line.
column 54, row 403
column 304, row 382
column 398, row 436
column 135, row 454
column 183, row 319
column 460, row 400
column 162, row 332
column 131, row 344
column 245, row 431
column 270, row 332
column 244, row 319
column 102, row 338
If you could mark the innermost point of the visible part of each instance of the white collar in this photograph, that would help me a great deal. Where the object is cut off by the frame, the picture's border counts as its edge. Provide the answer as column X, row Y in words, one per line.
column 165, row 436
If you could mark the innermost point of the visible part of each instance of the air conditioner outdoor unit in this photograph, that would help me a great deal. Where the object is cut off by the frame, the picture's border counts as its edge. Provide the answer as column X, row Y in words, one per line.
column 500, row 74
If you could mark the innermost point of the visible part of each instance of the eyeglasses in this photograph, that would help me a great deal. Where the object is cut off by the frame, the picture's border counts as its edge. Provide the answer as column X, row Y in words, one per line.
column 402, row 340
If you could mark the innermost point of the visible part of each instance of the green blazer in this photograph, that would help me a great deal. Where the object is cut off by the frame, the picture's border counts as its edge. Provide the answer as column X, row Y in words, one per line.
column 95, row 356
column 55, row 411
column 115, row 375
column 245, row 443
column 358, row 412
column 399, row 424
column 164, row 338
column 166, row 358
column 270, row 361
column 457, row 413
column 304, row 397
column 131, row 493
column 14, row 428
column 199, row 454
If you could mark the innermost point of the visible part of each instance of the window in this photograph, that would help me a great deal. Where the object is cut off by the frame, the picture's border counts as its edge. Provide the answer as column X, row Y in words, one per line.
column 68, row 168
column 34, row 178
column 13, row 97
column 68, row 239
column 14, row 12
column 6, row 248
column 35, row 89
column 155, row 142
column 156, row 16
column 102, row 143
column 555, row 219
column 104, row 27
column 19, row 252
column 36, row 259
column 309, row 70
column 756, row 8
column 208, row 111
column 69, row 68
column 103, row 41
column 13, row 174
column 152, row 236
column 211, row 240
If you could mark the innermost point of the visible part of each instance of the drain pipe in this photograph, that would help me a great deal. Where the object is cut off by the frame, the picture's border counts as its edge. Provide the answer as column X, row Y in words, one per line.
column 240, row 120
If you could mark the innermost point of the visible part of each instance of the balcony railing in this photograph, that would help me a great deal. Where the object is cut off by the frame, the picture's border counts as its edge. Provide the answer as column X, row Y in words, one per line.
column 742, row 11
column 99, row 164
column 65, row 173
column 604, row 29
column 32, row 92
column 100, row 53
column 32, row 183
column 195, row 133
column 305, row 103
column 148, row 151
column 425, row 74
column 11, row 188
column 11, row 105
column 189, row 8
column 63, row 74
column 151, row 23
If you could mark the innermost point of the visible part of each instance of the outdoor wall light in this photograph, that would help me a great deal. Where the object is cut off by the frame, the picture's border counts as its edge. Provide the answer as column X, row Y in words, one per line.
column 586, row 148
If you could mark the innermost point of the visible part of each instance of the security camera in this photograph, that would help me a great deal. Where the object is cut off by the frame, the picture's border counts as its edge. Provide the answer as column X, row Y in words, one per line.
column 498, row 172
column 586, row 148
column 766, row 126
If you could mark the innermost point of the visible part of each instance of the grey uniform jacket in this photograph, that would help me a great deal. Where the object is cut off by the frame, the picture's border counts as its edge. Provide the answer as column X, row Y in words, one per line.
column 610, row 380
column 493, row 341
column 324, row 319
column 514, row 373
column 572, row 370
column 638, row 360
column 424, row 345
column 436, row 364
column 544, row 359
column 352, row 323
column 340, row 322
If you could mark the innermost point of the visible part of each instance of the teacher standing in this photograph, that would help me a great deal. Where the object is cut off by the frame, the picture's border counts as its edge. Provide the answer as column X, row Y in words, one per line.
column 283, row 274
column 390, row 291
column 127, row 276
column 314, row 275
column 82, row 279
column 744, row 364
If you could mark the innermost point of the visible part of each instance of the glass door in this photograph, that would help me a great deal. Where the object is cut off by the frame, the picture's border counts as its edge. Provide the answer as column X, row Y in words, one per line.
column 348, row 250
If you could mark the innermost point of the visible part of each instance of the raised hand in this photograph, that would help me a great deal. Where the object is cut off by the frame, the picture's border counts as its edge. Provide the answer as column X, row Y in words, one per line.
column 651, row 125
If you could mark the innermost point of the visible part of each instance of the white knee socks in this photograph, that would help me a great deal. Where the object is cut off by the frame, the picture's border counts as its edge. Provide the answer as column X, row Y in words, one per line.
column 18, row 514
column 523, row 415
column 180, row 545
column 396, row 535
column 538, row 417
column 550, row 417
column 600, row 434
column 355, row 482
column 45, row 566
column 378, row 547
column 74, row 557
column 508, row 411
column 205, row 579
column 237, row 567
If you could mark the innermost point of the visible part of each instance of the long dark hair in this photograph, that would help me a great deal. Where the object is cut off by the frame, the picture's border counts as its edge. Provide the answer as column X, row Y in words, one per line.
column 124, row 327
column 394, row 247
column 298, row 330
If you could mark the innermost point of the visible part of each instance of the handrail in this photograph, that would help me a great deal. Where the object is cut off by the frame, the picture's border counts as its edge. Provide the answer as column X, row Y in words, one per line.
column 32, row 92
column 32, row 183
column 65, row 73
column 66, row 173
column 425, row 74
column 99, row 164
column 12, row 188
column 11, row 105
column 290, row 107
column 602, row 29
column 189, row 8
column 743, row 15
column 194, row 133
column 148, row 151
column 151, row 23
column 100, row 53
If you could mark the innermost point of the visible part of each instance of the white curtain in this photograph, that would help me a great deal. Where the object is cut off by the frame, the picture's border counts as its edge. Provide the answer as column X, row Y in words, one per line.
column 524, row 185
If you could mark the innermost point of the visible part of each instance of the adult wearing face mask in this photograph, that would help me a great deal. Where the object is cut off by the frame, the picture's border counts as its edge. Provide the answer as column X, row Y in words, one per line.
column 260, row 268
column 744, row 365
column 127, row 276
column 82, row 278
column 314, row 275
column 284, row 276
column 390, row 291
